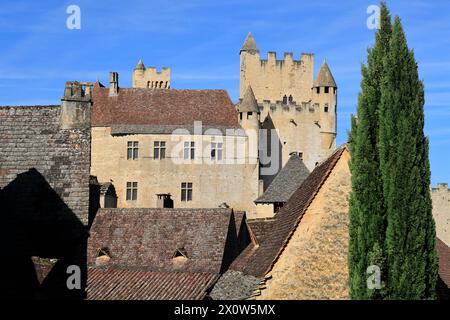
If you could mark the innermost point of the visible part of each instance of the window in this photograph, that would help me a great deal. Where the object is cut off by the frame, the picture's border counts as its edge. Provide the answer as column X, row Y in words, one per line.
column 159, row 150
column 189, row 150
column 133, row 150
column 186, row 191
column 285, row 99
column 327, row 89
column 318, row 90
column 291, row 99
column 216, row 150
column 132, row 190
column 325, row 108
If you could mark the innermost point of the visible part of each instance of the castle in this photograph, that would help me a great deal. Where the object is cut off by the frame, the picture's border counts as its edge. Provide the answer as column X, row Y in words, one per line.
column 201, row 213
column 196, row 149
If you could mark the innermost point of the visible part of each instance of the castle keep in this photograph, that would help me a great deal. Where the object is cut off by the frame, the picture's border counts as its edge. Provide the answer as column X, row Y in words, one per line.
column 301, row 109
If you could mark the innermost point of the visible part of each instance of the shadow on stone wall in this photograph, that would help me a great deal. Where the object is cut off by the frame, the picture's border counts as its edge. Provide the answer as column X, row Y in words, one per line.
column 37, row 223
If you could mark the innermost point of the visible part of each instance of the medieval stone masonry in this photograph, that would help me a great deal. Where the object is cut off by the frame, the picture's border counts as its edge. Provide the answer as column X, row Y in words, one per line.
column 163, row 193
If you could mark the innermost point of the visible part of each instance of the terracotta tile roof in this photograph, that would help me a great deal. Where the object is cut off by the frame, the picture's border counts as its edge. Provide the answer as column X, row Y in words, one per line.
column 444, row 261
column 286, row 182
column 147, row 239
column 140, row 106
column 273, row 235
column 116, row 284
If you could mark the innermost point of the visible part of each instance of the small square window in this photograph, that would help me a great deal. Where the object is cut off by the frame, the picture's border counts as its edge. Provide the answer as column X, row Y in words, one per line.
column 131, row 191
column 216, row 151
column 186, row 191
column 189, row 150
column 132, row 150
column 159, row 150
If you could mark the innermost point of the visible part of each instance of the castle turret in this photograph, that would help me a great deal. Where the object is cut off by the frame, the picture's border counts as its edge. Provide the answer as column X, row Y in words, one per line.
column 325, row 95
column 150, row 77
column 250, row 62
column 248, row 111
column 249, row 120
column 138, row 72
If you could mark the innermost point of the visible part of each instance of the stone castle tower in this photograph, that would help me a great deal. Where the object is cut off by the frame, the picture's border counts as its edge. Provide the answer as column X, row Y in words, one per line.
column 150, row 77
column 301, row 109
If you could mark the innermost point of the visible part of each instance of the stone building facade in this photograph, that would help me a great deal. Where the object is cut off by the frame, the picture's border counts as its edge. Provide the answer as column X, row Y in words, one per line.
column 184, row 143
column 300, row 253
column 441, row 211
column 302, row 109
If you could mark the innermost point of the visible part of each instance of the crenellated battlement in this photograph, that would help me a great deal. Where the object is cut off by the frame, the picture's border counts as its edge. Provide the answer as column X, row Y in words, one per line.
column 268, row 107
column 151, row 77
column 288, row 60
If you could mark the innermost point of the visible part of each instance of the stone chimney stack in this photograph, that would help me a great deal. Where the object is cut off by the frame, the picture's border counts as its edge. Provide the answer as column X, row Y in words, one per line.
column 113, row 84
column 76, row 106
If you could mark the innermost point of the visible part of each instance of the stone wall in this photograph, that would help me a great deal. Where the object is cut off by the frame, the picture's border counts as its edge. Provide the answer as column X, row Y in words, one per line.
column 235, row 183
column 313, row 265
column 31, row 137
column 441, row 211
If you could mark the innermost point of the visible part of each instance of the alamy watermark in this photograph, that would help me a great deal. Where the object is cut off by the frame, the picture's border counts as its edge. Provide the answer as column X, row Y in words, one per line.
column 227, row 146
column 374, row 277
column 73, row 22
column 74, row 279
column 373, row 21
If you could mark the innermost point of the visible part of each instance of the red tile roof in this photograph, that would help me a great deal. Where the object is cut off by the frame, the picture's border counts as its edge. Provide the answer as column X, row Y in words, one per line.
column 147, row 239
column 444, row 261
column 116, row 284
column 273, row 235
column 140, row 106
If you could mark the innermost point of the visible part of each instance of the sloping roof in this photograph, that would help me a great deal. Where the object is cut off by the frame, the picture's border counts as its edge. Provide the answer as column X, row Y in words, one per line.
column 234, row 285
column 116, row 284
column 146, row 239
column 249, row 44
column 444, row 261
column 107, row 188
column 248, row 103
column 143, row 106
column 286, row 182
column 325, row 78
column 273, row 235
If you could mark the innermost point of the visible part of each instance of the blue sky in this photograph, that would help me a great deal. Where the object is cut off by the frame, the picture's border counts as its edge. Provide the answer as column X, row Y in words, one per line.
column 200, row 41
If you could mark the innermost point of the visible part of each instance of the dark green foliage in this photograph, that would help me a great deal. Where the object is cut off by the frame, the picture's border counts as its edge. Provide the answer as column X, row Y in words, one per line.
column 410, row 234
column 391, row 225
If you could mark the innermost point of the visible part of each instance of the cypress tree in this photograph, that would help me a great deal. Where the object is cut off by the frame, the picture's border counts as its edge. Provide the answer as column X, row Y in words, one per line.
column 411, row 260
column 367, row 212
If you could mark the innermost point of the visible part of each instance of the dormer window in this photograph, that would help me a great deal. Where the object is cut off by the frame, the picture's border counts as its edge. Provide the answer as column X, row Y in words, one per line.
column 103, row 257
column 180, row 256
column 291, row 99
column 285, row 99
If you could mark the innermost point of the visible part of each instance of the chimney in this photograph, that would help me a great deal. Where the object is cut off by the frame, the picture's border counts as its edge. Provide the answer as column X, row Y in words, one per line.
column 113, row 84
column 443, row 186
column 164, row 200
column 76, row 106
